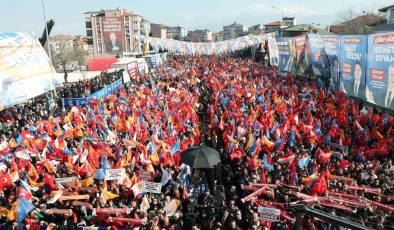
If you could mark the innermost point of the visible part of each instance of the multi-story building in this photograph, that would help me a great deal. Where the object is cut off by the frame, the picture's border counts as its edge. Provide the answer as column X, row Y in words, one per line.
column 277, row 25
column 158, row 30
column 234, row 30
column 169, row 32
column 256, row 28
column 384, row 24
column 112, row 32
column 290, row 21
column 217, row 37
column 179, row 33
column 61, row 43
column 201, row 36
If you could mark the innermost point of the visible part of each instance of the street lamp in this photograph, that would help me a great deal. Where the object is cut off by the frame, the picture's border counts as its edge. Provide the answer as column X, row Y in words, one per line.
column 280, row 20
column 49, row 49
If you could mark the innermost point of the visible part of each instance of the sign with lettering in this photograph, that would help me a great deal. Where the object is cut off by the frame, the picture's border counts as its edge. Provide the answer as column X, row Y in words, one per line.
column 115, row 174
column 150, row 187
column 268, row 214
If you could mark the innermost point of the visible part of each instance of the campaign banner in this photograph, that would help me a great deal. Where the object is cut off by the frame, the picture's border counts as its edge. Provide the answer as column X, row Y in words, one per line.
column 332, row 45
column 153, row 61
column 273, row 51
column 25, row 70
column 268, row 214
column 151, row 187
column 287, row 53
column 380, row 70
column 302, row 53
column 107, row 90
column 132, row 71
column 115, row 174
column 70, row 102
column 142, row 67
column 113, row 34
column 318, row 54
column 353, row 60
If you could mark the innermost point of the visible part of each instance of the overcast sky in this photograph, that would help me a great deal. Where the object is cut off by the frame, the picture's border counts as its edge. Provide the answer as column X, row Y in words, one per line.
column 27, row 15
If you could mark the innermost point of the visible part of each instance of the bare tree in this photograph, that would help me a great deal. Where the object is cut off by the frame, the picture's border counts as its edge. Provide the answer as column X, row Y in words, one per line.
column 356, row 20
column 64, row 53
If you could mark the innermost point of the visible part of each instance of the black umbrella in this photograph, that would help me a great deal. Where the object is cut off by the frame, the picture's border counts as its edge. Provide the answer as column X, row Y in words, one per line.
column 199, row 156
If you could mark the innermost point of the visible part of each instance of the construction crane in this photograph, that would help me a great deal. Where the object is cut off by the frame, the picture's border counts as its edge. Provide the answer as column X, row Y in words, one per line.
column 301, row 208
column 44, row 38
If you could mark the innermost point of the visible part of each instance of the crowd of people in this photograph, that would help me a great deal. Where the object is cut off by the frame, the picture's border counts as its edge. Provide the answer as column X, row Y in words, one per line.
column 84, row 88
column 281, row 138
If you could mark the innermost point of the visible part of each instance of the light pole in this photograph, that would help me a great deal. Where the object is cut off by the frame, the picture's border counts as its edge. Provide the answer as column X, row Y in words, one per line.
column 49, row 49
column 280, row 21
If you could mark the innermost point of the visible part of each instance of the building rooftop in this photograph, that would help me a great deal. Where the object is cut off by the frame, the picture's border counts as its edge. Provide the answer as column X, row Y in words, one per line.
column 384, row 9
column 162, row 26
column 218, row 33
column 288, row 17
column 307, row 28
column 235, row 24
column 276, row 23
column 62, row 37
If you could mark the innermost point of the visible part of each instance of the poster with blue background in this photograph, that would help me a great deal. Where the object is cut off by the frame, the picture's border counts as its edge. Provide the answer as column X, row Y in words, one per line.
column 287, row 53
column 318, row 53
column 332, row 46
column 353, row 61
column 380, row 70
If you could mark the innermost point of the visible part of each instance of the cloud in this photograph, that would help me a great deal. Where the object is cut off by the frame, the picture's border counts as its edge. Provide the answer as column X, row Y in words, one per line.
column 298, row 10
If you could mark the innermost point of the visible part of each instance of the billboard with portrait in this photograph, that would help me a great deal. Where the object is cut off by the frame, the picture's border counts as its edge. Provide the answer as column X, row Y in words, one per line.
column 287, row 53
column 113, row 34
column 25, row 70
column 303, row 54
column 332, row 45
column 353, row 60
column 380, row 70
column 318, row 55
column 273, row 51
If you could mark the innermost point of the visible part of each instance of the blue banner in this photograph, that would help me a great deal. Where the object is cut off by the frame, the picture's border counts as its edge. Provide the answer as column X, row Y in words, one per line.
column 69, row 102
column 353, row 61
column 332, row 45
column 318, row 53
column 107, row 90
column 380, row 70
column 287, row 53
column 153, row 61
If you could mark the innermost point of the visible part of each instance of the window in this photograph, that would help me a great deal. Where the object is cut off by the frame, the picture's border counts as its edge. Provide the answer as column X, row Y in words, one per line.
column 99, row 40
column 135, row 22
column 90, row 41
column 391, row 17
column 135, row 31
column 89, row 33
column 127, row 31
column 88, row 25
column 99, row 31
column 113, row 14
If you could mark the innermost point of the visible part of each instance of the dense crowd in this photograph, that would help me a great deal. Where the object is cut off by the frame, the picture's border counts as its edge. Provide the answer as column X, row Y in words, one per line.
column 84, row 88
column 279, row 138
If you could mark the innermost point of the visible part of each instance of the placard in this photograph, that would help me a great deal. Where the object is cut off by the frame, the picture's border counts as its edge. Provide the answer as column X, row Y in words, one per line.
column 150, row 187
column 145, row 176
column 268, row 214
column 115, row 174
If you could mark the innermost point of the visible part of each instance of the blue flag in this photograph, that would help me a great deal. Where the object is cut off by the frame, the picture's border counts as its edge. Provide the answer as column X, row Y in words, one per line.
column 24, row 208
column 292, row 139
column 328, row 139
column 175, row 148
column 266, row 164
column 99, row 174
column 278, row 143
column 304, row 161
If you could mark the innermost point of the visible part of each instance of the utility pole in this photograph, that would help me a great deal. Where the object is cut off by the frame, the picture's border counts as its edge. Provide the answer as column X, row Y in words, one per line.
column 49, row 50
